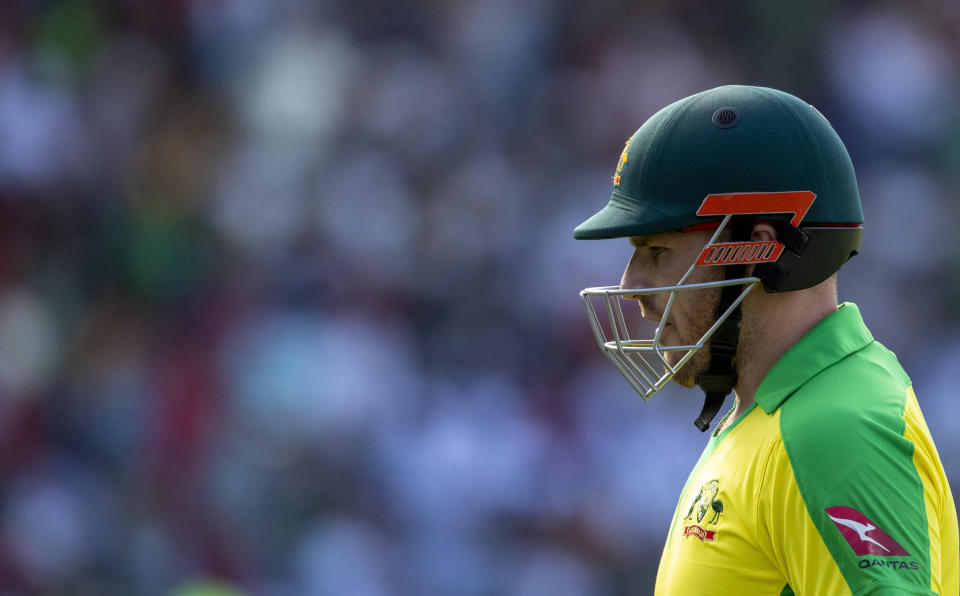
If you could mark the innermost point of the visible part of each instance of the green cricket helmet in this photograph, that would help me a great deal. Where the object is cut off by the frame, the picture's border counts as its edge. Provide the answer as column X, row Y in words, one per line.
column 725, row 158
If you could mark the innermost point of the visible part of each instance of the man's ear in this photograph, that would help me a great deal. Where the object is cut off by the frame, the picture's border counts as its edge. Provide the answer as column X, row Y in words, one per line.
column 763, row 232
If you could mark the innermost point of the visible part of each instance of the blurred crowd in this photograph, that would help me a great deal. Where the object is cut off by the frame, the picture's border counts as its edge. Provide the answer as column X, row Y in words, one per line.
column 288, row 289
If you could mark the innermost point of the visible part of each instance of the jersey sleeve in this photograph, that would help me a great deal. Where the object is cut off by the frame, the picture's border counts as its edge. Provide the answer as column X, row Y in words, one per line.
column 938, row 501
column 787, row 533
column 852, row 500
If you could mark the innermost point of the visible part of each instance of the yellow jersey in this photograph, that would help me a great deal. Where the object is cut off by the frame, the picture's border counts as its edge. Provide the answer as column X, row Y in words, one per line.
column 829, row 484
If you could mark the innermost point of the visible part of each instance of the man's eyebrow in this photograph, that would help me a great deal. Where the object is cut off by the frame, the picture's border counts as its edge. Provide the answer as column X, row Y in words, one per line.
column 638, row 241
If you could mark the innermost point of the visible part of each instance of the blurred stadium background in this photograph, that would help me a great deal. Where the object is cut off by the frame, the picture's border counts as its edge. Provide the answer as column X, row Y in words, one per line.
column 288, row 293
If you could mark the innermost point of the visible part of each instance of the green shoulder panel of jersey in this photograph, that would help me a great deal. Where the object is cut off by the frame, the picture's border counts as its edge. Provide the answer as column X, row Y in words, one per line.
column 852, row 449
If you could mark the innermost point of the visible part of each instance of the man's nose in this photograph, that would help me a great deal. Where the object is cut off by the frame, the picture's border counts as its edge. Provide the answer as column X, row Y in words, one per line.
column 634, row 277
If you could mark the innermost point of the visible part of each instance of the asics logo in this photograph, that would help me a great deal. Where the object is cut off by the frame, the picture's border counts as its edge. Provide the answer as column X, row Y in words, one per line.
column 751, row 203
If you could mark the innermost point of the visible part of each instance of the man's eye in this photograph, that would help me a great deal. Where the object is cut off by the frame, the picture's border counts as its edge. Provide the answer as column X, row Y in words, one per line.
column 656, row 251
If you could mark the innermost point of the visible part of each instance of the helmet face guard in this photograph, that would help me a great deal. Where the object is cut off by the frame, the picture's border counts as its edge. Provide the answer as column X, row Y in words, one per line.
column 642, row 361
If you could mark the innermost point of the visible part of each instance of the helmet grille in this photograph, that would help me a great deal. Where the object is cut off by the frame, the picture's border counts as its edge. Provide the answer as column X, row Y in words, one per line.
column 726, row 117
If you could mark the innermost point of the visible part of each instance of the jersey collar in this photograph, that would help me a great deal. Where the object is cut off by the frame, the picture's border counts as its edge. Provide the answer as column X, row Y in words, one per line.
column 840, row 334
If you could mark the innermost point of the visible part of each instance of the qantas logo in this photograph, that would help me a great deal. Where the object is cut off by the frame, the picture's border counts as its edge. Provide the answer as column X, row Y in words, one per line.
column 863, row 536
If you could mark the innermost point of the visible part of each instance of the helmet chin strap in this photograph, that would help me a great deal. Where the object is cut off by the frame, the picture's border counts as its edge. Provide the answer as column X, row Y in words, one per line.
column 721, row 377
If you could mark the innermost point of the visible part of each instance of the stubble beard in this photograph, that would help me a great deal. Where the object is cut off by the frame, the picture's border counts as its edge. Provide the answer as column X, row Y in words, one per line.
column 699, row 319
column 698, row 363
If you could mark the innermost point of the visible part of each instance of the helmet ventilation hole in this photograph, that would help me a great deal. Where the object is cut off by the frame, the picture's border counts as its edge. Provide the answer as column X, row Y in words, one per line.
column 726, row 117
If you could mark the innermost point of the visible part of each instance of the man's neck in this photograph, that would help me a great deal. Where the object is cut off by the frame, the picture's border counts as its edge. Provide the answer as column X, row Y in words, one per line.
column 771, row 325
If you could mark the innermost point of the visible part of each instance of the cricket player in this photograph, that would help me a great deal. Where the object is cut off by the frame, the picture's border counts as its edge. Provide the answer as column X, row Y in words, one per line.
column 741, row 204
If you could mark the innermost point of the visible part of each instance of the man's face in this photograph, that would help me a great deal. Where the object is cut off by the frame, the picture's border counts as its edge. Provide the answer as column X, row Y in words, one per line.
column 661, row 260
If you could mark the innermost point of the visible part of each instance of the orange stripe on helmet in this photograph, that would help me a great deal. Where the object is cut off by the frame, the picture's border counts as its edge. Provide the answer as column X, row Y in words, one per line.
column 757, row 203
column 740, row 253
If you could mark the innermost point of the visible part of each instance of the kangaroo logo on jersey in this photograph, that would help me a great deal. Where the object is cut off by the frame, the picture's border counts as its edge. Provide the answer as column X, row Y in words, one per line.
column 863, row 536
column 705, row 506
